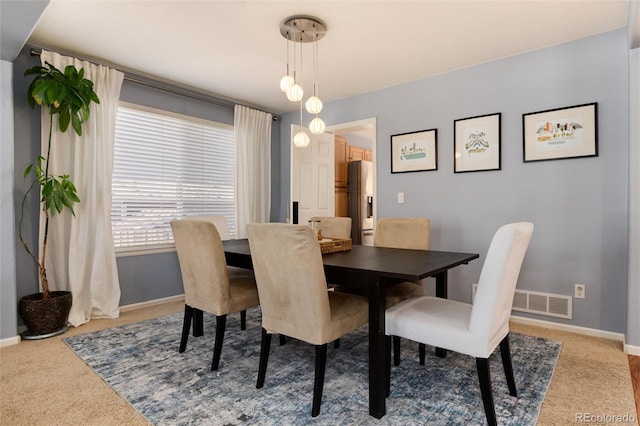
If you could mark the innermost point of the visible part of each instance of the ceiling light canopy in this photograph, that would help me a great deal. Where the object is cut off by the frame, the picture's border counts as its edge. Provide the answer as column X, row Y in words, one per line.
column 300, row 29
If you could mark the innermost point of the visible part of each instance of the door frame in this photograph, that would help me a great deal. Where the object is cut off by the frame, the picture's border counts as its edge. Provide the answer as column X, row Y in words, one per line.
column 366, row 123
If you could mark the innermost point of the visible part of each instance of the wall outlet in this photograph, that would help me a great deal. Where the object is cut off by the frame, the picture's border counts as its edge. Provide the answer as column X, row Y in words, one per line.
column 579, row 291
column 400, row 197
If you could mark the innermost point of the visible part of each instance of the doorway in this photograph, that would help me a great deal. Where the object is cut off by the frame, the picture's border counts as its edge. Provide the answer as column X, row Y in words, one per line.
column 354, row 197
column 361, row 133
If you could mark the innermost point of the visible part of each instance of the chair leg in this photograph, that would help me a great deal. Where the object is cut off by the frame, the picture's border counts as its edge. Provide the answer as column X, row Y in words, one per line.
column 505, row 352
column 198, row 321
column 484, row 375
column 265, row 345
column 318, row 383
column 336, row 344
column 283, row 339
column 396, row 350
column 243, row 320
column 387, row 362
column 221, row 324
column 422, row 349
column 186, row 325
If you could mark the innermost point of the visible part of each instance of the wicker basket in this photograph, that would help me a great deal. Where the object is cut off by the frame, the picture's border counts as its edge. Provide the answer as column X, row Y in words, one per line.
column 335, row 245
column 45, row 316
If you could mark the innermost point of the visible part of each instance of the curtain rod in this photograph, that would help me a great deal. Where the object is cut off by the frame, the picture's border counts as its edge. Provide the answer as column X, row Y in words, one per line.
column 34, row 52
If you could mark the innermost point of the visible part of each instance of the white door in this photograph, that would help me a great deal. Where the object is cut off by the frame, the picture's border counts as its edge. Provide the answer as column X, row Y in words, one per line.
column 312, row 176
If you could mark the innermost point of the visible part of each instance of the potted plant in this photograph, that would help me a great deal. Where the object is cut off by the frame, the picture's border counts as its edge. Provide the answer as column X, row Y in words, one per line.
column 67, row 95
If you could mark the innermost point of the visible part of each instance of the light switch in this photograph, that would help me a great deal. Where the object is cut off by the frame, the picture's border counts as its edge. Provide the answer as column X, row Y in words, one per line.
column 400, row 197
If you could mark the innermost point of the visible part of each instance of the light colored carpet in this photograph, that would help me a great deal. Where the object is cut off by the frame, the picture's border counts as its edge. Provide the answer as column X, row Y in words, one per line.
column 44, row 383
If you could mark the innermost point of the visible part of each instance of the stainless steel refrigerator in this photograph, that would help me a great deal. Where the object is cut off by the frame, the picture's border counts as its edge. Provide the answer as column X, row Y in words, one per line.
column 361, row 201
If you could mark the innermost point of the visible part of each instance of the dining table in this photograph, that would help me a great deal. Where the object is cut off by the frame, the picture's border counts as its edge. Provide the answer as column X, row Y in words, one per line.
column 370, row 270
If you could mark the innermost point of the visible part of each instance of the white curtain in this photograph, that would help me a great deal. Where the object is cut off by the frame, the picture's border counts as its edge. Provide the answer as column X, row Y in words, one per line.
column 80, row 254
column 253, row 167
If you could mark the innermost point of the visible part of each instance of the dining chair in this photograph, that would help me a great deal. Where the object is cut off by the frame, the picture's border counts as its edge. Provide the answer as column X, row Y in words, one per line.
column 334, row 227
column 209, row 285
column 471, row 329
column 293, row 296
column 403, row 233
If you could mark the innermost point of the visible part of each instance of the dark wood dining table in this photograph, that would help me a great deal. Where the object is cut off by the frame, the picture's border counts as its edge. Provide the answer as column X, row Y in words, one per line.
column 371, row 270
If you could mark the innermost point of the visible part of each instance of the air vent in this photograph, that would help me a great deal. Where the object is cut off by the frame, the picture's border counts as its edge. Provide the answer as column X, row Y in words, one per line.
column 549, row 304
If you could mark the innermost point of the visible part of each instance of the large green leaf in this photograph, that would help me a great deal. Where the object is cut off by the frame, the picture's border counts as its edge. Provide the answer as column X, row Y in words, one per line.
column 66, row 94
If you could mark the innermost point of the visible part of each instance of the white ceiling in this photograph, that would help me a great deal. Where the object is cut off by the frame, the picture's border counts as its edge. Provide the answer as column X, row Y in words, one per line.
column 233, row 49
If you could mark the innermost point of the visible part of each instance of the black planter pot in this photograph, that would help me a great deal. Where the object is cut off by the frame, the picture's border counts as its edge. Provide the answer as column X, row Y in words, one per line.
column 45, row 317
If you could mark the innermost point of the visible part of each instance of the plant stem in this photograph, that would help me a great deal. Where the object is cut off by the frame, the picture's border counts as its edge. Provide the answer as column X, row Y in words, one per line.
column 43, row 268
column 24, row 243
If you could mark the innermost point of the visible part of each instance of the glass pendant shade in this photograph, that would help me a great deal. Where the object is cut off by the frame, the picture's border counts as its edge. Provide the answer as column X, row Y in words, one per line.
column 295, row 93
column 313, row 105
column 286, row 82
column 317, row 126
column 301, row 139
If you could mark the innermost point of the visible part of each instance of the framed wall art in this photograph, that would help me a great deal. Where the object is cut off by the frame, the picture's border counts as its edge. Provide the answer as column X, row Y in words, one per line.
column 569, row 132
column 476, row 143
column 414, row 151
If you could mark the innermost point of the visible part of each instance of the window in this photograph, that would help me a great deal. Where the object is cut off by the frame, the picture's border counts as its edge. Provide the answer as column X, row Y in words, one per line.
column 168, row 166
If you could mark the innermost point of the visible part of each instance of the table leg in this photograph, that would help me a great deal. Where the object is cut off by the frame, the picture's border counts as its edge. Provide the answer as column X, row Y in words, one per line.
column 377, row 374
column 441, row 291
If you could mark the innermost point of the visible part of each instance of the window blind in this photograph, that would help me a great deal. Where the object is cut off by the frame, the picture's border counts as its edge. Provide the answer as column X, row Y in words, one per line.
column 168, row 166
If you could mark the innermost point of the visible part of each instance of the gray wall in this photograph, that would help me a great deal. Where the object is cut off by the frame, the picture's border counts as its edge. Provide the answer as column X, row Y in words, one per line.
column 633, row 302
column 578, row 206
column 7, row 228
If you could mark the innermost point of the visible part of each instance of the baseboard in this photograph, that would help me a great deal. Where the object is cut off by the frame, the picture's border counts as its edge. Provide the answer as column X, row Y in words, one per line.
column 9, row 341
column 632, row 350
column 570, row 328
column 154, row 302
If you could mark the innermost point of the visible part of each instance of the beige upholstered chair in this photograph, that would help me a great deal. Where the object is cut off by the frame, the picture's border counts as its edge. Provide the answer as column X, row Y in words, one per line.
column 293, row 295
column 334, row 227
column 477, row 329
column 208, row 284
column 404, row 233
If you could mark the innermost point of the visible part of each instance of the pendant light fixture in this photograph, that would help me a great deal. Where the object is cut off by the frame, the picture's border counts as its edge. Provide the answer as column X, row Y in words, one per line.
column 303, row 29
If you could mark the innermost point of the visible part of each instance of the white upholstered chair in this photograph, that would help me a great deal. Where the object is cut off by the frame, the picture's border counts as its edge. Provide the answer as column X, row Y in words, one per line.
column 293, row 295
column 477, row 329
column 209, row 285
column 334, row 227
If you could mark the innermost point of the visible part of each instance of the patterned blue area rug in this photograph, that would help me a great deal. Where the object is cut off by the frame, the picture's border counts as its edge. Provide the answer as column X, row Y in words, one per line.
column 141, row 362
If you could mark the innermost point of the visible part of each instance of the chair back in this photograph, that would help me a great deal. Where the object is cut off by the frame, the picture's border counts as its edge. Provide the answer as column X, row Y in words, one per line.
column 405, row 233
column 497, row 284
column 334, row 227
column 219, row 221
column 292, row 287
column 202, row 263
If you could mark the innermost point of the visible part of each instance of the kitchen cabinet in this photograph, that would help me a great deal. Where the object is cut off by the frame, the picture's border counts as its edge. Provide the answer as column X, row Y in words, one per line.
column 356, row 153
column 341, row 201
column 342, row 160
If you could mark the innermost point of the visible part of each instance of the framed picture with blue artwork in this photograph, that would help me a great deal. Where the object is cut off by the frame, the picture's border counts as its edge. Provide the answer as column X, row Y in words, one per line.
column 414, row 151
column 476, row 143
column 568, row 132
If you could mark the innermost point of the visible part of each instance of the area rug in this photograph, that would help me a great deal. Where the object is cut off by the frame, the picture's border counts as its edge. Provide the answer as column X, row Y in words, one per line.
column 141, row 362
